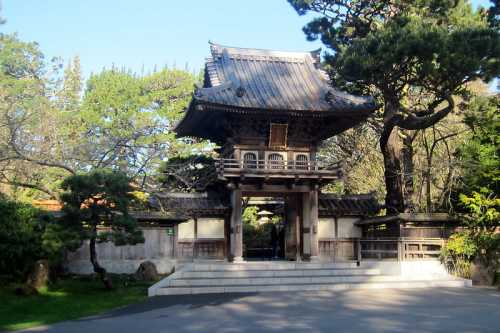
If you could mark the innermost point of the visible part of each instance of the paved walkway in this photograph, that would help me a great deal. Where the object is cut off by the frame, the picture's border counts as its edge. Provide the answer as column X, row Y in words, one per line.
column 417, row 310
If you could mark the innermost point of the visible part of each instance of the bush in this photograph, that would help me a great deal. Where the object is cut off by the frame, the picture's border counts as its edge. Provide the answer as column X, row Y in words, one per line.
column 257, row 236
column 458, row 253
column 27, row 234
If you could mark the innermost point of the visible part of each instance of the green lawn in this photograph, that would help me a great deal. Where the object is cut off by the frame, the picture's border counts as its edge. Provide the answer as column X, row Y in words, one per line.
column 64, row 300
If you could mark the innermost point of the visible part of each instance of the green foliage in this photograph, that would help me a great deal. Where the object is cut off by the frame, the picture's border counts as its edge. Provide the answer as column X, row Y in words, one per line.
column 483, row 212
column 100, row 198
column 461, row 244
column 414, row 56
column 494, row 13
column 257, row 235
column 363, row 170
column 66, row 299
column 250, row 216
column 389, row 43
column 26, row 235
column 53, row 129
column 479, row 242
column 24, row 104
column 481, row 153
column 139, row 200
column 458, row 254
column 130, row 119
column 482, row 219
column 480, row 202
column 276, row 219
column 413, row 50
column 189, row 173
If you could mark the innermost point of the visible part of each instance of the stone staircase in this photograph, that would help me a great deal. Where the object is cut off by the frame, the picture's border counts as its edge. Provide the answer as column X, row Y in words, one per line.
column 198, row 278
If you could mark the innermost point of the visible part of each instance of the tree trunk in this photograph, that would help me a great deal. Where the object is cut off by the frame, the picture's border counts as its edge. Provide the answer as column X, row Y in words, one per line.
column 98, row 268
column 428, row 196
column 427, row 173
column 390, row 145
column 408, row 167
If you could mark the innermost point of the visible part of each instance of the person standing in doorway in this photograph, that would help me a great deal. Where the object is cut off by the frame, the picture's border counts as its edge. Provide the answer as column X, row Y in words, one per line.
column 274, row 241
column 281, row 240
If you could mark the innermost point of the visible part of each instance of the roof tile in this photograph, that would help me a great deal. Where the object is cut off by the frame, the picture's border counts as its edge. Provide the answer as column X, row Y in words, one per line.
column 273, row 80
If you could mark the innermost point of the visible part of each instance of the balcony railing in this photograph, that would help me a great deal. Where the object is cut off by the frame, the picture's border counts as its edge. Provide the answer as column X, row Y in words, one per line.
column 278, row 168
column 400, row 248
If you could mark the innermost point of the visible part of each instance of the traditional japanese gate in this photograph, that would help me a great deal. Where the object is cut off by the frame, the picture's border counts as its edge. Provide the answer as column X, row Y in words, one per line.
column 268, row 111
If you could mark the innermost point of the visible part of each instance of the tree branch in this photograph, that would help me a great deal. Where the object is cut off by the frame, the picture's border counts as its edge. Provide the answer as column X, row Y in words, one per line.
column 31, row 186
column 414, row 122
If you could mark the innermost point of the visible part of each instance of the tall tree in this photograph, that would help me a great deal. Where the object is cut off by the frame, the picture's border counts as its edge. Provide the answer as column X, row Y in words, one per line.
column 126, row 121
column 398, row 49
column 24, row 105
column 50, row 128
column 480, row 156
column 70, row 92
column 100, row 199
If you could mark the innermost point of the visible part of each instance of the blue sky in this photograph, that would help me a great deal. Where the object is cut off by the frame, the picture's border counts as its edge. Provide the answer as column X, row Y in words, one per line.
column 136, row 34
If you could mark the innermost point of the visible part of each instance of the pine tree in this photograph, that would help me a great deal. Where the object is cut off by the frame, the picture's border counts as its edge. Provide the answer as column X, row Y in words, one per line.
column 400, row 50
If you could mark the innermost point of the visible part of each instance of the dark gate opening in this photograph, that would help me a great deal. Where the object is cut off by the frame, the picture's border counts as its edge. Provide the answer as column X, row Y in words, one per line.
column 264, row 229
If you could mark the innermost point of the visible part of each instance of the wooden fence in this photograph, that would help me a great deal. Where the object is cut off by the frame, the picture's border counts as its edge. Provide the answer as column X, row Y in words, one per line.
column 400, row 248
column 338, row 248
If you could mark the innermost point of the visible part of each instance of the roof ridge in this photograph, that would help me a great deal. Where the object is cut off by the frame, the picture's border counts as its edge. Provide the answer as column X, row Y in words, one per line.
column 217, row 49
column 369, row 195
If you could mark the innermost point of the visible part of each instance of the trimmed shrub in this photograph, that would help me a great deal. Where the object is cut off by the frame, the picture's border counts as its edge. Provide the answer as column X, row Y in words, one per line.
column 27, row 234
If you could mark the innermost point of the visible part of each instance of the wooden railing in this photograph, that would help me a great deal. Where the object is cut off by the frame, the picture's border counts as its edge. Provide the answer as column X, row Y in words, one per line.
column 236, row 167
column 400, row 248
column 201, row 249
column 338, row 248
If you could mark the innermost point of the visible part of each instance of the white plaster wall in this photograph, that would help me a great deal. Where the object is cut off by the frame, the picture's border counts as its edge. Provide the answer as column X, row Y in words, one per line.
column 157, row 247
column 186, row 230
column 347, row 229
column 326, row 228
column 209, row 228
column 163, row 266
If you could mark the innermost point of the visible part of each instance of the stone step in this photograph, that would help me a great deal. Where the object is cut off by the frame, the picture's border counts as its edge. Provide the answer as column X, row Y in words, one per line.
column 405, row 284
column 271, row 265
column 278, row 273
column 204, row 282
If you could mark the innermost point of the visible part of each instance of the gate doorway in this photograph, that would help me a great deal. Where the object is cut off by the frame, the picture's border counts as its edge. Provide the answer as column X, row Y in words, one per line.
column 263, row 228
column 271, row 229
column 299, row 220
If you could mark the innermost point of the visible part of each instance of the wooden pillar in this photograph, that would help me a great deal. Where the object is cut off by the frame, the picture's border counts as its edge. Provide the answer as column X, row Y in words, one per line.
column 313, row 200
column 306, row 224
column 292, row 237
column 236, row 226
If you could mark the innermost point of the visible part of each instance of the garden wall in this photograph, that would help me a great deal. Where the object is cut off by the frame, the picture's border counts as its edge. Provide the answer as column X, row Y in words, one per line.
column 158, row 248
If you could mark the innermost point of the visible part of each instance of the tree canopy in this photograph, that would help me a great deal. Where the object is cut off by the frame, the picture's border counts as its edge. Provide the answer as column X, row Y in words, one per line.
column 100, row 198
column 52, row 125
column 415, row 56
column 480, row 155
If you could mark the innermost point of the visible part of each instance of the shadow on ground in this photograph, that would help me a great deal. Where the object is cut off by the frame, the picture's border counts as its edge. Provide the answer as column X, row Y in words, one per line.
column 188, row 302
column 417, row 310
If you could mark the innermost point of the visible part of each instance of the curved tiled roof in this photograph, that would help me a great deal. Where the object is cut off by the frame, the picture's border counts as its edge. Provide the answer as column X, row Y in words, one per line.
column 273, row 80
column 359, row 205
column 186, row 204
